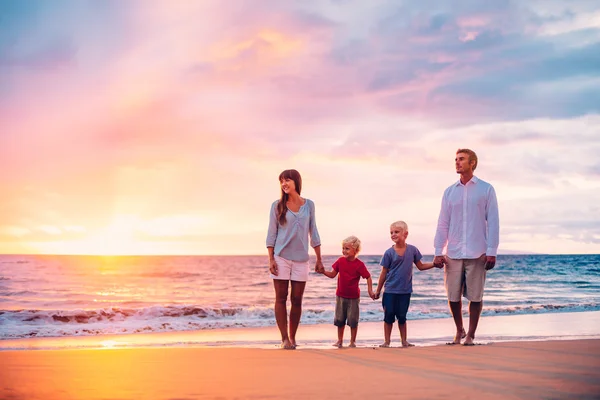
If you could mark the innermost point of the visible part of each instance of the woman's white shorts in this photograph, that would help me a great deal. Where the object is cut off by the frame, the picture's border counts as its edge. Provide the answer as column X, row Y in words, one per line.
column 291, row 270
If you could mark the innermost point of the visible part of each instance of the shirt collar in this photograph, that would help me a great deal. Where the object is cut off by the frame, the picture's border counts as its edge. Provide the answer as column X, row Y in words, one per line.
column 474, row 179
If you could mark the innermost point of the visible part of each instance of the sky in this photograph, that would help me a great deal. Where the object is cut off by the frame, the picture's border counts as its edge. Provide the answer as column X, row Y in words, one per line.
column 153, row 127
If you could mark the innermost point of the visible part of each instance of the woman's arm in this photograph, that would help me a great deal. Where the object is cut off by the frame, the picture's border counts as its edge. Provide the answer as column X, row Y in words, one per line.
column 319, row 263
column 272, row 262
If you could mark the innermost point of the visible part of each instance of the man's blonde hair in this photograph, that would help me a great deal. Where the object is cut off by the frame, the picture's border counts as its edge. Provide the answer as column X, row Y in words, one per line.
column 401, row 225
column 353, row 241
column 471, row 154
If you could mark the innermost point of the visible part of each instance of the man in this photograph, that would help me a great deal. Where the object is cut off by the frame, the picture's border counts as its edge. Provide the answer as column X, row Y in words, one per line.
column 469, row 226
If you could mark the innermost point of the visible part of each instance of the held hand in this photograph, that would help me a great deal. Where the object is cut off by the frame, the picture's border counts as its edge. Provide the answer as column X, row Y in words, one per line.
column 490, row 262
column 371, row 294
column 273, row 267
column 377, row 294
column 439, row 261
column 319, row 267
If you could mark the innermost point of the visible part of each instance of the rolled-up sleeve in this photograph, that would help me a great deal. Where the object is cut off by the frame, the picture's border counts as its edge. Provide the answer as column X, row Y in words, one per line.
column 273, row 226
column 493, row 224
column 315, row 239
column 443, row 225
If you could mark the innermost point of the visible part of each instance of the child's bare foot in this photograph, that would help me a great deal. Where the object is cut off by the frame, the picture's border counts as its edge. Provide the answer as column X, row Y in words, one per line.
column 338, row 344
column 385, row 344
column 406, row 344
column 352, row 344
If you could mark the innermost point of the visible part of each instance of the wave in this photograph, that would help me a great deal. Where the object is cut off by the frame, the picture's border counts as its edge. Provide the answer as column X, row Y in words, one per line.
column 54, row 323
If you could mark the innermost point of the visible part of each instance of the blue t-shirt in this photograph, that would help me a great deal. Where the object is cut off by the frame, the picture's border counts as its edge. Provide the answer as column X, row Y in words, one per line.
column 399, row 275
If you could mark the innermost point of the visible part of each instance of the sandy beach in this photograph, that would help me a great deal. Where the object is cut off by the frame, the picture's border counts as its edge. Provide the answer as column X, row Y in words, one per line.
column 510, row 370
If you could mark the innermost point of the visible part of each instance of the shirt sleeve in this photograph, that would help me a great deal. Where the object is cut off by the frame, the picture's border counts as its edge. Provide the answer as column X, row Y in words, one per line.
column 441, row 233
column 385, row 260
column 273, row 226
column 315, row 240
column 417, row 256
column 336, row 265
column 493, row 223
column 364, row 272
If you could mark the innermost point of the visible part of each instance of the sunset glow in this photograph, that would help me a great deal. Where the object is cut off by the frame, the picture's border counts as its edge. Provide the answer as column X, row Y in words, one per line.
column 154, row 128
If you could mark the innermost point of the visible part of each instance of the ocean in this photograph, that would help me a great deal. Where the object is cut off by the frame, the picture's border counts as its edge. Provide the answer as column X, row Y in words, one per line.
column 68, row 296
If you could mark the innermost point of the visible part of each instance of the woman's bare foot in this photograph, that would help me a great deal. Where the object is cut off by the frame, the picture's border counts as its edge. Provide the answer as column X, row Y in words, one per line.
column 406, row 344
column 293, row 343
column 338, row 344
column 352, row 344
column 287, row 345
column 469, row 341
column 385, row 344
column 463, row 333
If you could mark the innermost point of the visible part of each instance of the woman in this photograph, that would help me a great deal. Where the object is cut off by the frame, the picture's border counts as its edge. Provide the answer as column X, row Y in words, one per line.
column 291, row 224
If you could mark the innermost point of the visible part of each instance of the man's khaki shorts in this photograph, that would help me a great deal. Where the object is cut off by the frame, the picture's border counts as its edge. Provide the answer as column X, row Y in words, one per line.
column 465, row 277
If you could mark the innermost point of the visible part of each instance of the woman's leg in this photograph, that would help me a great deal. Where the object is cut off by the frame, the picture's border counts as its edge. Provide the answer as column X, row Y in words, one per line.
column 281, row 294
column 296, row 311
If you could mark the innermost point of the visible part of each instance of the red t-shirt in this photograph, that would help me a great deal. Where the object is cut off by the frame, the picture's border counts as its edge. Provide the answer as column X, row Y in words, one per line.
column 349, row 273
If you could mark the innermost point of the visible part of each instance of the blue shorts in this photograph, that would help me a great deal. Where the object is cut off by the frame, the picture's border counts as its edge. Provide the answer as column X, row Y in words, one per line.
column 395, row 306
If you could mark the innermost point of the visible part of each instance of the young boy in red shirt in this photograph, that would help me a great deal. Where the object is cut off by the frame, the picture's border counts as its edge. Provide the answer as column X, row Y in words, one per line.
column 349, row 270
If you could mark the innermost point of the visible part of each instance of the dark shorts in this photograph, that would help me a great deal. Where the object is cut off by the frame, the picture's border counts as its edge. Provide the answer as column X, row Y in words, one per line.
column 346, row 312
column 395, row 306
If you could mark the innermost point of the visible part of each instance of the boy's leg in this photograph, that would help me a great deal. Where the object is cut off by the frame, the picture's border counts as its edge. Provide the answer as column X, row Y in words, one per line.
column 339, row 319
column 281, row 293
column 387, row 334
column 403, row 304
column 340, row 341
column 389, row 316
column 353, row 317
column 353, row 332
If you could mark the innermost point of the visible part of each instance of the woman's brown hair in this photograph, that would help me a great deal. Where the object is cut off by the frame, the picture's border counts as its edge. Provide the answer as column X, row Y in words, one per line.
column 282, row 205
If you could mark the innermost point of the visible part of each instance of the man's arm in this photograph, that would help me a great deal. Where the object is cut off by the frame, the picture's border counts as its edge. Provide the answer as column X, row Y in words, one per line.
column 441, row 233
column 493, row 229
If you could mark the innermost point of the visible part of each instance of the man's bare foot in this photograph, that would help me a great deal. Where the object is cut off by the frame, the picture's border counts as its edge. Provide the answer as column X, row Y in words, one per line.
column 469, row 341
column 352, row 344
column 385, row 344
column 338, row 344
column 406, row 344
column 287, row 345
column 293, row 343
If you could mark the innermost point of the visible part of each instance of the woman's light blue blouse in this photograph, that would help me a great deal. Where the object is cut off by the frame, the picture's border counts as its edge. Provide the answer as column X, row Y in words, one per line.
column 291, row 240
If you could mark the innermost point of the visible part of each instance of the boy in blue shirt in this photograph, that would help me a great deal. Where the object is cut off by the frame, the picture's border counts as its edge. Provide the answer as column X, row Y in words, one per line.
column 396, row 277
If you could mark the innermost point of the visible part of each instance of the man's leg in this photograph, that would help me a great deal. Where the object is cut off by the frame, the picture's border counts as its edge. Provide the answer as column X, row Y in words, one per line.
column 456, row 311
column 474, row 314
column 475, row 280
column 453, row 280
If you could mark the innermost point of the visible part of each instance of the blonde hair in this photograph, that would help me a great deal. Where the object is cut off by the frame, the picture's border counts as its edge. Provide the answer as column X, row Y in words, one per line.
column 471, row 154
column 400, row 224
column 353, row 241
